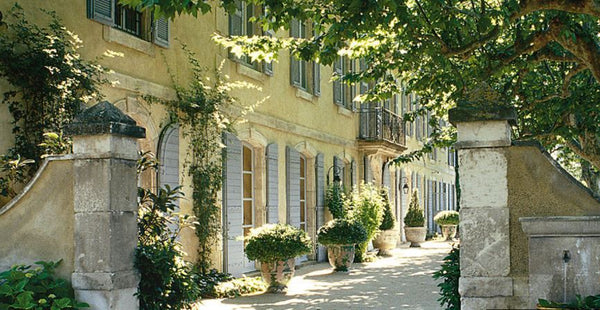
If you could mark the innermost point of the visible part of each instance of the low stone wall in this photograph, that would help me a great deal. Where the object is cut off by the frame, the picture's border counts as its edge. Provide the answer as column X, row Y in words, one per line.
column 38, row 224
column 539, row 187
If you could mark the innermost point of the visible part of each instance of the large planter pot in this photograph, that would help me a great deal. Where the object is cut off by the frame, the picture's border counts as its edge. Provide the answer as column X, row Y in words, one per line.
column 277, row 274
column 415, row 235
column 448, row 232
column 340, row 256
column 386, row 241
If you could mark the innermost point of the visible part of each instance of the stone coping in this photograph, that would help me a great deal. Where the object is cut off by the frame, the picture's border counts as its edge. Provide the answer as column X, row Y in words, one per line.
column 478, row 114
column 104, row 118
column 555, row 226
column 555, row 164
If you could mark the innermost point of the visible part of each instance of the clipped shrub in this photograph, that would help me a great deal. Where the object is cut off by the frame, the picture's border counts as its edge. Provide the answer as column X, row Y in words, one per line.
column 24, row 287
column 335, row 200
column 208, row 282
column 449, row 274
column 414, row 216
column 389, row 220
column 447, row 217
column 588, row 302
column 277, row 242
column 341, row 231
column 366, row 209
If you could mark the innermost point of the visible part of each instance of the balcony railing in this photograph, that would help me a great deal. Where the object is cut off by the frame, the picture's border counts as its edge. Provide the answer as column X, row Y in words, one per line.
column 379, row 124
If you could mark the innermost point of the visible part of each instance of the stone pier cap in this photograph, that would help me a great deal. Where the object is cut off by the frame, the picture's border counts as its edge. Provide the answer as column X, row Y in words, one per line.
column 483, row 126
column 104, row 118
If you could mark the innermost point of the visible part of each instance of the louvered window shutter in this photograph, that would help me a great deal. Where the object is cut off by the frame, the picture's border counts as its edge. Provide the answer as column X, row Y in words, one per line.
column 268, row 66
column 232, row 202
column 386, row 176
column 272, row 184
column 368, row 175
column 161, row 32
column 293, row 186
column 236, row 20
column 294, row 63
column 102, row 11
column 337, row 84
column 354, row 168
column 316, row 79
column 320, row 184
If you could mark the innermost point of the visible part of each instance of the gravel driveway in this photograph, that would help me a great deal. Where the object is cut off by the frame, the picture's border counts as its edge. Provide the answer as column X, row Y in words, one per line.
column 402, row 281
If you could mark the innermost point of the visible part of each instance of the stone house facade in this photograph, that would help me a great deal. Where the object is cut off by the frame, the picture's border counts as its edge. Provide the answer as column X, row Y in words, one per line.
column 306, row 131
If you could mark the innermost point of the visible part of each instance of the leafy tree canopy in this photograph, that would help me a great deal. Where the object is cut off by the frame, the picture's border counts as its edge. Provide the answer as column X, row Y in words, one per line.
column 539, row 56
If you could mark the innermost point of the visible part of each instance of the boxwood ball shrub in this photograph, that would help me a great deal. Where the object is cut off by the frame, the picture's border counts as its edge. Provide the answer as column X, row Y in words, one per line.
column 341, row 231
column 277, row 242
column 388, row 220
column 414, row 216
column 448, row 217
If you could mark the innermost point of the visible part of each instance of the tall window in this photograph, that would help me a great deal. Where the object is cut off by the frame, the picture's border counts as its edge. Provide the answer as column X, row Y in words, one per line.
column 241, row 24
column 248, row 189
column 304, row 75
column 302, row 193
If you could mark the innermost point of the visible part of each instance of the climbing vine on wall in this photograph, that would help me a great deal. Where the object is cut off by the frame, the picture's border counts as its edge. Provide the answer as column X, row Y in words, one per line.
column 203, row 110
column 49, row 81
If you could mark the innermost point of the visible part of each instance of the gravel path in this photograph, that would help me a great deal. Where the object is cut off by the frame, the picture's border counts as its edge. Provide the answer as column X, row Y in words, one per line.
column 402, row 281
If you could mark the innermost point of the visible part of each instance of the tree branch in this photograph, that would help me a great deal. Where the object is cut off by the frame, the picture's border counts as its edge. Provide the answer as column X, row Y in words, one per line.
column 588, row 7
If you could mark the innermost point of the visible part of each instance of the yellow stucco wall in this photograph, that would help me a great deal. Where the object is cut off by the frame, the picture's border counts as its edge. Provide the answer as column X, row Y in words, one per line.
column 38, row 226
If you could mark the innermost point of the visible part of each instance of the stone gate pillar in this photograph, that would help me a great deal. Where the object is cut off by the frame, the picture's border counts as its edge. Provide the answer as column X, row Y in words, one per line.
column 105, row 204
column 483, row 139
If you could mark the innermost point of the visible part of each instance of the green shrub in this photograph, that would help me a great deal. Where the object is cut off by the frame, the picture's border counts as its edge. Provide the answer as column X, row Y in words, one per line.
column 366, row 209
column 167, row 281
column 275, row 242
column 335, row 200
column 22, row 287
column 448, row 217
column 389, row 220
column 584, row 303
column 414, row 216
column 208, row 282
column 341, row 231
column 450, row 273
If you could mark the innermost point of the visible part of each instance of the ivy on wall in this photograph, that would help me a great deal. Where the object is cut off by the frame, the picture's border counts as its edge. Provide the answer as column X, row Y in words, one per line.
column 49, row 83
column 202, row 110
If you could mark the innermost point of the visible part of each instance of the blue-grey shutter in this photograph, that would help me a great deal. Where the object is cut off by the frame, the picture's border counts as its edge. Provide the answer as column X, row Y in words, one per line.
column 368, row 172
column 272, row 184
column 169, row 158
column 102, row 11
column 337, row 84
column 268, row 66
column 354, row 173
column 161, row 32
column 293, row 186
column 294, row 63
column 316, row 78
column 339, row 168
column 386, row 176
column 232, row 209
column 429, row 205
column 320, row 184
column 236, row 19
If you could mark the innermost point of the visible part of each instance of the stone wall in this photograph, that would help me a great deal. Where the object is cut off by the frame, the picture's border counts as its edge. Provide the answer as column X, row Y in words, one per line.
column 539, row 187
column 38, row 224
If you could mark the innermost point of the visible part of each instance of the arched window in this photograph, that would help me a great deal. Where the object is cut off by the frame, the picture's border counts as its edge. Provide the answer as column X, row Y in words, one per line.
column 168, row 155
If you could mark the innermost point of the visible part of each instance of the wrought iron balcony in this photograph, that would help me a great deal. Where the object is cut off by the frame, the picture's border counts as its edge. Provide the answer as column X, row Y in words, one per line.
column 380, row 127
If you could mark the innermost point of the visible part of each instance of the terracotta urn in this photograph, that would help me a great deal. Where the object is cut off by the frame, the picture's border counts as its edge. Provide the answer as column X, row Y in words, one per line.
column 386, row 241
column 448, row 232
column 340, row 256
column 277, row 274
column 415, row 235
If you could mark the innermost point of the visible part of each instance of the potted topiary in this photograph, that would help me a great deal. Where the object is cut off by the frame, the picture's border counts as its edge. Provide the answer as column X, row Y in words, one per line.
column 275, row 246
column 340, row 236
column 448, row 220
column 415, row 221
column 388, row 236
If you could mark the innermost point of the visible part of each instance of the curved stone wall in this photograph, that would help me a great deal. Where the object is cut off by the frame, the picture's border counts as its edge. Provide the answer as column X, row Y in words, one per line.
column 38, row 224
